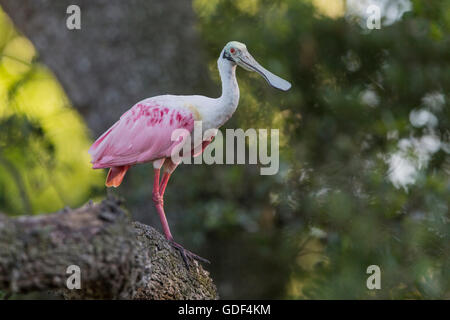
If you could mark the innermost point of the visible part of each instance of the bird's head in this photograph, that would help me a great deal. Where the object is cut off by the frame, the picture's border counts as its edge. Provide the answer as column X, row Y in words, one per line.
column 237, row 53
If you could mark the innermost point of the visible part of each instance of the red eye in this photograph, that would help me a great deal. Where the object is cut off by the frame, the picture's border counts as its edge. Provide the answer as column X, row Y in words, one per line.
column 232, row 50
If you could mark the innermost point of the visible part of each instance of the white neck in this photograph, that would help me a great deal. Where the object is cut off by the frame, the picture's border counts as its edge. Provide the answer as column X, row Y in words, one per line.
column 217, row 111
column 230, row 88
column 227, row 103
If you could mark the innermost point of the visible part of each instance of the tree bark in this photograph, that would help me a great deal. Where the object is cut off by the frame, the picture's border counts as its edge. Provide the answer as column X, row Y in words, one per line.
column 118, row 258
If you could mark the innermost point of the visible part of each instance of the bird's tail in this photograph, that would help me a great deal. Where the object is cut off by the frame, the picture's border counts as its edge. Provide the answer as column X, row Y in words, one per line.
column 115, row 176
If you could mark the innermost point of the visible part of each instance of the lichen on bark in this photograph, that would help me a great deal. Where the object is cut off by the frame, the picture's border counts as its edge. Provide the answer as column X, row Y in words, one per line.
column 118, row 258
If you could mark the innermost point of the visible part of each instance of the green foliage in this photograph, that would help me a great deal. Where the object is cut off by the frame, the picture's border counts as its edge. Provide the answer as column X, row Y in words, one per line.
column 44, row 164
column 348, row 125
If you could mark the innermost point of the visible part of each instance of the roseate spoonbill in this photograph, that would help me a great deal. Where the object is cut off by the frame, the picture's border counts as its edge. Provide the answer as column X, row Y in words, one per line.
column 143, row 133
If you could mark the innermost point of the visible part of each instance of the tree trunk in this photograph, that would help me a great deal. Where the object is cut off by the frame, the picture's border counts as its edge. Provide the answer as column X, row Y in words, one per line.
column 124, row 52
column 118, row 259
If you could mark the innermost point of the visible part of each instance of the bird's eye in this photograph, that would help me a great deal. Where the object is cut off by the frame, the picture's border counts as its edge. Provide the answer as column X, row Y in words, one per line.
column 232, row 50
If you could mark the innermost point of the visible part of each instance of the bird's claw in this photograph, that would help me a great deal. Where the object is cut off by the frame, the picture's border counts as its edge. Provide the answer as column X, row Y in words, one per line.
column 186, row 254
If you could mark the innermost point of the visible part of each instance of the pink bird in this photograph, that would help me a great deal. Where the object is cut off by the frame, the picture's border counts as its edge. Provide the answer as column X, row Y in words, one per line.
column 144, row 133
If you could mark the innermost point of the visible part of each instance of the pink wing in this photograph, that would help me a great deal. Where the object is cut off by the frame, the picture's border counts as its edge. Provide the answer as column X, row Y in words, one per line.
column 142, row 134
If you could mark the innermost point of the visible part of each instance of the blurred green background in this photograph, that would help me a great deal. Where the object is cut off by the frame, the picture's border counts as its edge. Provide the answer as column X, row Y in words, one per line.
column 364, row 134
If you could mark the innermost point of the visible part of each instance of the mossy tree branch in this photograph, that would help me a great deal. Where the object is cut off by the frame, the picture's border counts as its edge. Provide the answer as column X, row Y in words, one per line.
column 118, row 259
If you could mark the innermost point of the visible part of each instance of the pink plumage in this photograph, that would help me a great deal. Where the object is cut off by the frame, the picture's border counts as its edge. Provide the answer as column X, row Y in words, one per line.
column 142, row 134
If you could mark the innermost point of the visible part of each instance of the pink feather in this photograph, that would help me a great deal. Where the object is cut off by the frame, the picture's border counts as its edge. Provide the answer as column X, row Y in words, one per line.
column 142, row 134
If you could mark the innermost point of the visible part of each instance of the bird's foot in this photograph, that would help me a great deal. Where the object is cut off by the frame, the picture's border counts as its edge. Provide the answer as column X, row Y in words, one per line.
column 186, row 254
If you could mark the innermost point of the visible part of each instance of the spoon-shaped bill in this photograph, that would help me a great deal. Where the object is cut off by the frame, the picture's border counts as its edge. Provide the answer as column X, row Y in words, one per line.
column 249, row 63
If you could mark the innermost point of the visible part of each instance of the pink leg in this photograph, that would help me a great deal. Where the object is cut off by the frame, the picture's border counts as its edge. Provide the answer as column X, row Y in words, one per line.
column 159, row 204
column 163, row 184
column 169, row 167
column 158, row 192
